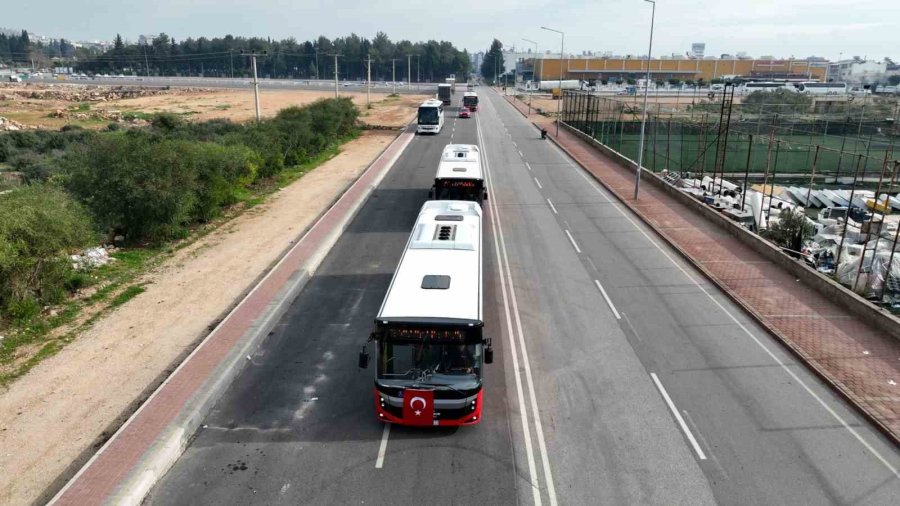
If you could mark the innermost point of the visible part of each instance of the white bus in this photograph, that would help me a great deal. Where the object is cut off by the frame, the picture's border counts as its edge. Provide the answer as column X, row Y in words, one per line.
column 816, row 88
column 430, row 350
column 766, row 86
column 430, row 118
column 470, row 100
column 460, row 175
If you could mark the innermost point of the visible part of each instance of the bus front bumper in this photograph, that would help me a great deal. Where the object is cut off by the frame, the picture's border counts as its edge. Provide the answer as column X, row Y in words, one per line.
column 447, row 412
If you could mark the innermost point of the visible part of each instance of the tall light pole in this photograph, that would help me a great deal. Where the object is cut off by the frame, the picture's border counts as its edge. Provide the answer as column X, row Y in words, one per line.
column 368, row 82
column 637, row 177
column 408, row 71
column 533, row 61
column 562, row 49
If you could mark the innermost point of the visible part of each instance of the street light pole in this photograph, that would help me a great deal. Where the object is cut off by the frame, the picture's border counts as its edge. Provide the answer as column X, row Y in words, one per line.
column 637, row 177
column 562, row 47
column 533, row 61
column 369, row 82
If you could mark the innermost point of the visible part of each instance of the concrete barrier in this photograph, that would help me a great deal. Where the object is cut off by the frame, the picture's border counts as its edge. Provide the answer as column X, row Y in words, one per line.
column 827, row 287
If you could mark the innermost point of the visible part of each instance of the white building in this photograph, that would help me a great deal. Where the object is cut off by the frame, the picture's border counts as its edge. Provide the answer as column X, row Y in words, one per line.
column 698, row 49
column 857, row 71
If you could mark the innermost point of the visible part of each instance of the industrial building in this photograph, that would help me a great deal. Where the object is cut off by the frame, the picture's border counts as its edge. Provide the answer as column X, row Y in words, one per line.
column 545, row 69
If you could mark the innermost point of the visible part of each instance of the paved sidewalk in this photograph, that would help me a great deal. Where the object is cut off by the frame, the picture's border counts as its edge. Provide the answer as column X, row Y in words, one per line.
column 98, row 480
column 862, row 363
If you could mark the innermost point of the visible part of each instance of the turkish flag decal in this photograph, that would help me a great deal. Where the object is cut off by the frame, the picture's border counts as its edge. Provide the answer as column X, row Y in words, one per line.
column 418, row 407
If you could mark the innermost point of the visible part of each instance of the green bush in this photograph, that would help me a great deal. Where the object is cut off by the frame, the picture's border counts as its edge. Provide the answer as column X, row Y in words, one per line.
column 777, row 102
column 39, row 225
column 133, row 185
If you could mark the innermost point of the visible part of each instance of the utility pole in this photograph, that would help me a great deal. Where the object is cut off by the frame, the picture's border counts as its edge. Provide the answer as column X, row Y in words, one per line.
column 317, row 65
column 231, row 54
column 255, row 78
column 394, row 74
column 369, row 82
column 146, row 63
column 336, row 75
column 418, row 76
column 408, row 71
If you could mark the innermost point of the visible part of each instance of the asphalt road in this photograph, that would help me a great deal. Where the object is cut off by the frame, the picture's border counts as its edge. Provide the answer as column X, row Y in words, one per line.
column 654, row 390
column 770, row 431
column 213, row 82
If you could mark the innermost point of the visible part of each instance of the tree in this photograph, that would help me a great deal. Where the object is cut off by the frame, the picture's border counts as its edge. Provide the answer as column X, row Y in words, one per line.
column 492, row 65
column 790, row 229
column 894, row 80
column 119, row 44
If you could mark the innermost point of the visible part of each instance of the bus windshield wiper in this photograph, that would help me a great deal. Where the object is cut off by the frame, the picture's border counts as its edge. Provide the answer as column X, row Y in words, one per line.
column 451, row 387
column 403, row 374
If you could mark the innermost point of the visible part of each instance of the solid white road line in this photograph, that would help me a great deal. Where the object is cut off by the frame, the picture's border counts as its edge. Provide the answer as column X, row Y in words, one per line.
column 572, row 240
column 755, row 339
column 379, row 462
column 538, row 183
column 678, row 417
column 552, row 206
column 504, row 265
column 523, row 411
column 608, row 301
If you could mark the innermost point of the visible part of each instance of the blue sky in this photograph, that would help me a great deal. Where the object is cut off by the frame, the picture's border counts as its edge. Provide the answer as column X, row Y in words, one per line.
column 780, row 28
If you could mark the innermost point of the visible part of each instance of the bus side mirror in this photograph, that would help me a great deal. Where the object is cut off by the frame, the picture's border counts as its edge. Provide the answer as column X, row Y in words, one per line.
column 485, row 195
column 489, row 353
column 363, row 358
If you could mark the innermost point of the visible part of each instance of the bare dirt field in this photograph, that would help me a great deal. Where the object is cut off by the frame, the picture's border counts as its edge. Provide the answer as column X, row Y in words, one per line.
column 52, row 415
column 56, row 105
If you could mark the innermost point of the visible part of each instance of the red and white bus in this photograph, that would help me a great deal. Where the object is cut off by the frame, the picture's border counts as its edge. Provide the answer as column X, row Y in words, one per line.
column 460, row 175
column 429, row 347
column 470, row 100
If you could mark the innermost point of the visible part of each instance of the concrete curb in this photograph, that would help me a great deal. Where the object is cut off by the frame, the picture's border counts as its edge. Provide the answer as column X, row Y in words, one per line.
column 837, row 386
column 168, row 445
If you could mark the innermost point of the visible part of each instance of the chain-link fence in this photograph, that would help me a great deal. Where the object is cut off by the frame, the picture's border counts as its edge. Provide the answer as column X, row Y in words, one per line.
column 756, row 157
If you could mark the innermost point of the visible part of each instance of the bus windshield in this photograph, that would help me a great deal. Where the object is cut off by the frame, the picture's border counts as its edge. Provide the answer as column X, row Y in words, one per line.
column 429, row 362
column 429, row 116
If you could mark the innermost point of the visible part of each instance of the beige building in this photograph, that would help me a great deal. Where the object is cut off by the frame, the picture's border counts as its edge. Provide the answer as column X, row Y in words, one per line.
column 546, row 69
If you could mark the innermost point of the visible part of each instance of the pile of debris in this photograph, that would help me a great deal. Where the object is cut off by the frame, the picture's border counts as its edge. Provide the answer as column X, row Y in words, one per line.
column 91, row 258
column 82, row 93
column 8, row 125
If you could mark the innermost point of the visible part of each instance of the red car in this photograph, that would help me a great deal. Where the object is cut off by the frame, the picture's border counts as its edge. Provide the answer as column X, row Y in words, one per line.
column 464, row 112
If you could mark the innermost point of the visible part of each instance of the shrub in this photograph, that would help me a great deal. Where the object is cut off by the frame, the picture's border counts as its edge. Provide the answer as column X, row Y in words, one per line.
column 222, row 171
column 134, row 186
column 39, row 225
column 777, row 102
